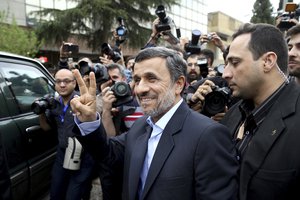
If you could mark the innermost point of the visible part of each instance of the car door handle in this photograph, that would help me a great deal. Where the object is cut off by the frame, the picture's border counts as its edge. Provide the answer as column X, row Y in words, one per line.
column 33, row 128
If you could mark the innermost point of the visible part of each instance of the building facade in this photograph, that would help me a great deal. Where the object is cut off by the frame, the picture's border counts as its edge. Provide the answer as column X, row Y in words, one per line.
column 187, row 15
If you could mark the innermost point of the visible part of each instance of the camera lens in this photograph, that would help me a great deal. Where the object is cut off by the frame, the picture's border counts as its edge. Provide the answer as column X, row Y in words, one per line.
column 216, row 101
column 39, row 106
column 121, row 31
column 121, row 89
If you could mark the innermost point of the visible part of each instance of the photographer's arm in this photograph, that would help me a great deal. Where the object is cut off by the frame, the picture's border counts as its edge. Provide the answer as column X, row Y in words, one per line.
column 154, row 35
column 107, row 121
column 217, row 41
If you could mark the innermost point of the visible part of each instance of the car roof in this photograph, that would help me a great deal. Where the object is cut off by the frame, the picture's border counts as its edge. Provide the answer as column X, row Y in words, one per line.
column 8, row 55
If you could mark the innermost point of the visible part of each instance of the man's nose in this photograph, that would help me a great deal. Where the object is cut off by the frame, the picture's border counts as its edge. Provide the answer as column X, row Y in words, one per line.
column 293, row 51
column 141, row 87
column 226, row 73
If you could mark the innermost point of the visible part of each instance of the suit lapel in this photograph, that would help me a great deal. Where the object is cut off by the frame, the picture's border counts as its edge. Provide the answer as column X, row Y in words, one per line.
column 270, row 130
column 165, row 146
column 137, row 160
column 260, row 145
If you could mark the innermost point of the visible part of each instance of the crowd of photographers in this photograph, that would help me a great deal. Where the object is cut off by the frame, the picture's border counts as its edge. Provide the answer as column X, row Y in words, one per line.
column 206, row 91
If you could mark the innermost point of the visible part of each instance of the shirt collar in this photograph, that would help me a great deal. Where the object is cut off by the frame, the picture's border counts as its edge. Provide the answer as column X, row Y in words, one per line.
column 163, row 121
column 256, row 115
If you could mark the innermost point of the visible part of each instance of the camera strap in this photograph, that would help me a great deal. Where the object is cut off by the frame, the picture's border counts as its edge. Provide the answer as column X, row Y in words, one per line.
column 64, row 110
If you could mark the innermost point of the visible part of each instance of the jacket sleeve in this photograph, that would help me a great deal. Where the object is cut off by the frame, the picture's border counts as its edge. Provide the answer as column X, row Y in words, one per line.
column 109, row 151
column 216, row 166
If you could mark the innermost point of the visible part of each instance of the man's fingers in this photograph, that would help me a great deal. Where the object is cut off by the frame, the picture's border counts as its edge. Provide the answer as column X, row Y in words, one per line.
column 75, row 105
column 93, row 85
column 80, row 82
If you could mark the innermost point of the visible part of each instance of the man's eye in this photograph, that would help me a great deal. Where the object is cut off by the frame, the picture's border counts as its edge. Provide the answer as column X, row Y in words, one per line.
column 152, row 78
column 136, row 80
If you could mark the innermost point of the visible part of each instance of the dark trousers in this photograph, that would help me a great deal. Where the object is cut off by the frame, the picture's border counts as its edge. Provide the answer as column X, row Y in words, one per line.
column 70, row 184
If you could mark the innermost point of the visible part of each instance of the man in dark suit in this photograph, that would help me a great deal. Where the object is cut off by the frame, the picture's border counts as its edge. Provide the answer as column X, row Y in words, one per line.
column 265, row 124
column 184, row 156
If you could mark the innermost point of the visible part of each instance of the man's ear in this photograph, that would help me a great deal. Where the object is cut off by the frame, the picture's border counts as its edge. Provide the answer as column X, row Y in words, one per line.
column 270, row 61
column 180, row 83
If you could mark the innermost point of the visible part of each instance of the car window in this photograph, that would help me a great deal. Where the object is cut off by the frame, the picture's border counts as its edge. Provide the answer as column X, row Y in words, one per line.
column 26, row 84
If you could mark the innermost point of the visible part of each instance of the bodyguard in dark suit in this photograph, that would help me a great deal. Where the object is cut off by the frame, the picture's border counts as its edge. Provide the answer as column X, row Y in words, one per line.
column 265, row 124
column 171, row 153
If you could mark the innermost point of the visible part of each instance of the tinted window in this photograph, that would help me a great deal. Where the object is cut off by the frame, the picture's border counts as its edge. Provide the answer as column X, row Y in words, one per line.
column 26, row 84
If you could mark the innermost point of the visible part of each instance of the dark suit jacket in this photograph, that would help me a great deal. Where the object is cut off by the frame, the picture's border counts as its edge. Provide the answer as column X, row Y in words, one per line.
column 194, row 159
column 270, row 168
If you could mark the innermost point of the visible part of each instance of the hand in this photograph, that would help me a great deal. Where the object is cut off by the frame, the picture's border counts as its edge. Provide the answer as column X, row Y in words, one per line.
column 62, row 53
column 108, row 98
column 154, row 31
column 217, row 41
column 202, row 91
column 84, row 106
column 105, row 60
column 219, row 116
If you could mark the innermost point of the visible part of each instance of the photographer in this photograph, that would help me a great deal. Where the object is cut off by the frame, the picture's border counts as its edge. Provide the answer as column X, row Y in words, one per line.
column 210, row 96
column 162, row 28
column 66, row 53
column 65, row 183
column 196, row 93
column 193, row 69
column 113, row 106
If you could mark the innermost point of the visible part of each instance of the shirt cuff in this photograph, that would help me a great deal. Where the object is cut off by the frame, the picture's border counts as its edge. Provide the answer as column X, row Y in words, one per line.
column 87, row 127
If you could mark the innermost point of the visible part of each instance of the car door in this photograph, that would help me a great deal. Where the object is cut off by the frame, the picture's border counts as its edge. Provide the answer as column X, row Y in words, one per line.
column 29, row 150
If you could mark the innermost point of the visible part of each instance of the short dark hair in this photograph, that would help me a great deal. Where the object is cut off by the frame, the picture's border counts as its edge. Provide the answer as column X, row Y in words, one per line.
column 176, row 64
column 117, row 66
column 293, row 31
column 265, row 38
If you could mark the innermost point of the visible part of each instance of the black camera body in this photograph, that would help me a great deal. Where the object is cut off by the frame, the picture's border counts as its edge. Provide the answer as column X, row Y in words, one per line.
column 216, row 101
column 40, row 105
column 122, row 92
column 121, row 31
column 100, row 71
column 203, row 65
column 71, row 48
column 164, row 20
column 192, row 47
column 113, row 54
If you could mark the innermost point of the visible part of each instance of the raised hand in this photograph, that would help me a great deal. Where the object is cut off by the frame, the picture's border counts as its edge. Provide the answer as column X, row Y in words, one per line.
column 84, row 106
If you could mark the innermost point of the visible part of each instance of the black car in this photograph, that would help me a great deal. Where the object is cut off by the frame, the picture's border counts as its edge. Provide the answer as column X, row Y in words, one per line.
column 29, row 151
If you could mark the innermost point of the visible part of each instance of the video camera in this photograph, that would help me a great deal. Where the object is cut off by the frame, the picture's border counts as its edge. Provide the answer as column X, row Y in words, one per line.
column 216, row 101
column 40, row 105
column 112, row 53
column 122, row 92
column 193, row 47
column 292, row 11
column 100, row 71
column 121, row 31
column 164, row 20
column 203, row 65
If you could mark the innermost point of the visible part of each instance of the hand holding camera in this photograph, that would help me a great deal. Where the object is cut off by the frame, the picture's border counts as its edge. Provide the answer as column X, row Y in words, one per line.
column 68, row 49
column 213, row 99
column 116, row 93
column 40, row 105
column 202, row 91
